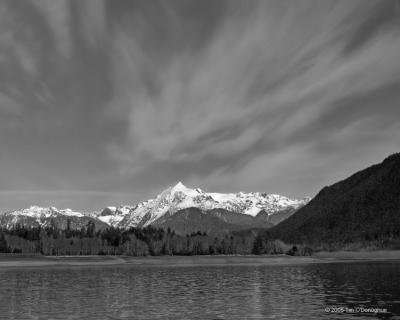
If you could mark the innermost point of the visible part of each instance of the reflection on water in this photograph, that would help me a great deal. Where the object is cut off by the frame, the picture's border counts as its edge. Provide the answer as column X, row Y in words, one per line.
column 228, row 292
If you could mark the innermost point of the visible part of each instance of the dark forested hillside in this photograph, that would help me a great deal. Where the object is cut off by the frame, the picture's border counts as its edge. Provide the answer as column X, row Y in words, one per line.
column 362, row 208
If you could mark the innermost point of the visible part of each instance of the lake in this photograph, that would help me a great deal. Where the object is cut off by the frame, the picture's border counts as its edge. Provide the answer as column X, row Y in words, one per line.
column 202, row 292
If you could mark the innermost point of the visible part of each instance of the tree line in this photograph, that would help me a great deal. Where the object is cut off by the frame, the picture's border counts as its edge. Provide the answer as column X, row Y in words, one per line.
column 114, row 241
column 152, row 241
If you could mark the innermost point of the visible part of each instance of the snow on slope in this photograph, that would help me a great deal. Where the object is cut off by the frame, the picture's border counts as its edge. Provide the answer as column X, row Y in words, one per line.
column 114, row 215
column 37, row 212
column 180, row 197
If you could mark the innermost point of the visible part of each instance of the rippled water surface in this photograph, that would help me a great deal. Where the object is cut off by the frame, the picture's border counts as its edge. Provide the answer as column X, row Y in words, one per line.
column 203, row 292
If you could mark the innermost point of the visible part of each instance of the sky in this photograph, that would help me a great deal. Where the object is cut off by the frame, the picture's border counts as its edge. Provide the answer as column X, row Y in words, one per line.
column 107, row 102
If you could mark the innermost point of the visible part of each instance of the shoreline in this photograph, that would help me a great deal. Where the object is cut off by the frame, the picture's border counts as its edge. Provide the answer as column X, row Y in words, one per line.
column 16, row 261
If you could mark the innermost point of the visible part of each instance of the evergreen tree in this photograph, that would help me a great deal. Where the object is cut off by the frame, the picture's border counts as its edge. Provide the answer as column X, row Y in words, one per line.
column 3, row 243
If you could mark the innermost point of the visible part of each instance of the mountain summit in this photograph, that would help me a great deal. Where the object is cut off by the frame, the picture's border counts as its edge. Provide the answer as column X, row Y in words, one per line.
column 180, row 197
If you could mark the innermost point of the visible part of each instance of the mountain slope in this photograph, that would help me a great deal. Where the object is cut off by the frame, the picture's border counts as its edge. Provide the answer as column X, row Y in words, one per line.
column 363, row 207
column 213, row 222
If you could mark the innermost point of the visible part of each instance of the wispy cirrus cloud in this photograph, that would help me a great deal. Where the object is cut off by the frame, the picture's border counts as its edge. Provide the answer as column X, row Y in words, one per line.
column 267, row 74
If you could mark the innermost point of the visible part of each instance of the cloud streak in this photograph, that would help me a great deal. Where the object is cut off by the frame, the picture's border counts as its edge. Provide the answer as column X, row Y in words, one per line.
column 57, row 15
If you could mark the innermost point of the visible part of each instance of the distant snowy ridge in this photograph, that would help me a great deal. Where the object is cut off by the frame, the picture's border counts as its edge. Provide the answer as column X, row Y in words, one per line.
column 47, row 216
column 38, row 213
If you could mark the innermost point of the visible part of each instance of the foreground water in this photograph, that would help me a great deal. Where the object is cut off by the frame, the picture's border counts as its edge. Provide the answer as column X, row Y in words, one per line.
column 315, row 291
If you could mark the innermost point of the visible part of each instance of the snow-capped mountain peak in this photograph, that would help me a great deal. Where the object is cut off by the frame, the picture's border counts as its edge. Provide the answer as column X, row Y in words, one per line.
column 180, row 197
column 180, row 187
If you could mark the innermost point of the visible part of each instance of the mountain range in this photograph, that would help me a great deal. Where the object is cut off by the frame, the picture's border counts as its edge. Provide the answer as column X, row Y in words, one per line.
column 181, row 208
